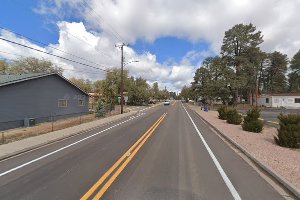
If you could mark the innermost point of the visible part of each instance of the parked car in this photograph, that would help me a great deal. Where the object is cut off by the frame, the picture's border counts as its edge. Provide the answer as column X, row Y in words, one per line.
column 166, row 103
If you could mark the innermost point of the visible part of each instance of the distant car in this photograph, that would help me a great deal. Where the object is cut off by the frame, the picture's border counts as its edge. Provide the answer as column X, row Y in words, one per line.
column 166, row 103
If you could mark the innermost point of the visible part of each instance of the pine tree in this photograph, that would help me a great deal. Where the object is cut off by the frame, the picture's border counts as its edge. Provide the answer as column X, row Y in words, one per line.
column 100, row 109
column 289, row 131
column 233, row 117
column 251, row 122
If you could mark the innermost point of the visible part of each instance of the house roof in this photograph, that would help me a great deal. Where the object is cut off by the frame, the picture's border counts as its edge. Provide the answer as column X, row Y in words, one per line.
column 10, row 79
column 16, row 78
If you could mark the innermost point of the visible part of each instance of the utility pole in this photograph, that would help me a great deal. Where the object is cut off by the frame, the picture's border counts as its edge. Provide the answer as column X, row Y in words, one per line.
column 122, row 76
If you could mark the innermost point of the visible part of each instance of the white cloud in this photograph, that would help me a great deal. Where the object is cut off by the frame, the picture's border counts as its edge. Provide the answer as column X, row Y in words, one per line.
column 98, row 49
column 193, row 20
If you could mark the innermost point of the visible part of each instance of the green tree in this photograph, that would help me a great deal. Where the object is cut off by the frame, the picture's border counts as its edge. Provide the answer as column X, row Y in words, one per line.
column 252, row 123
column 239, row 42
column 97, row 86
column 100, row 109
column 211, row 80
column 33, row 65
column 289, row 131
column 294, row 75
column 111, row 85
column 85, row 85
column 187, row 93
column 3, row 67
column 155, row 90
column 139, row 91
column 276, row 70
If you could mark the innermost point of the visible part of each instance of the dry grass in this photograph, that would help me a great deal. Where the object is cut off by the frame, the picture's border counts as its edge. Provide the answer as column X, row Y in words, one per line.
column 21, row 133
column 43, row 128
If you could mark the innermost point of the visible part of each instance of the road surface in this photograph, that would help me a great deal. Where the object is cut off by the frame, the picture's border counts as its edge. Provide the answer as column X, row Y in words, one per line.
column 272, row 114
column 172, row 154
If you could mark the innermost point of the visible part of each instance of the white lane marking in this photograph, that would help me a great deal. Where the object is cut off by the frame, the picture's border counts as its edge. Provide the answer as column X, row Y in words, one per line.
column 228, row 183
column 58, row 150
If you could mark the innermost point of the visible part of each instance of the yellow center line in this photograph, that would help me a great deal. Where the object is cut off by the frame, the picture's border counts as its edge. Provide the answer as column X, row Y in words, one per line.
column 122, row 167
column 107, row 174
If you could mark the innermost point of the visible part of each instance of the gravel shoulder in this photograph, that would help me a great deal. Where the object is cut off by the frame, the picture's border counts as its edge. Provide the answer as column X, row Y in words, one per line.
column 284, row 161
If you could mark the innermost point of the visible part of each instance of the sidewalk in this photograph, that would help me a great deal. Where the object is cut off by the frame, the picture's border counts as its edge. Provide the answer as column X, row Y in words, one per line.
column 7, row 150
column 283, row 161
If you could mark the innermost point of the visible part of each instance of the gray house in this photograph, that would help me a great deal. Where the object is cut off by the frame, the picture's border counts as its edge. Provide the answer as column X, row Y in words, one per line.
column 40, row 97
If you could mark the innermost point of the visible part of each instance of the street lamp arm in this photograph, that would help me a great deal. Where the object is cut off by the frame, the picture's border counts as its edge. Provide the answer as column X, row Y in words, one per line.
column 130, row 62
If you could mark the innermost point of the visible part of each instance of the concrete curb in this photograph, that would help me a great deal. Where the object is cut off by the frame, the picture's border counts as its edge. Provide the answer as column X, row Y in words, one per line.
column 7, row 156
column 272, row 173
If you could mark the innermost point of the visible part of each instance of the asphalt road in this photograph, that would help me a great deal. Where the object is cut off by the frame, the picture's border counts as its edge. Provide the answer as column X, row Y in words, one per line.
column 272, row 114
column 179, row 157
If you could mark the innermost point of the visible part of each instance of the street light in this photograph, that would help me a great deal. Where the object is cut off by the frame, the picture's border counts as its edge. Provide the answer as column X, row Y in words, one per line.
column 130, row 62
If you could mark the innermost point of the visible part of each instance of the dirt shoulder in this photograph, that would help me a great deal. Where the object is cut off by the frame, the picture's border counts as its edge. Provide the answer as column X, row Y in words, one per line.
column 284, row 161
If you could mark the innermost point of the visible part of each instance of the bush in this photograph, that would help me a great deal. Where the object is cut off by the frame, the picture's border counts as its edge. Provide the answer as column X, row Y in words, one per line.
column 251, row 122
column 233, row 117
column 100, row 109
column 289, row 131
column 222, row 112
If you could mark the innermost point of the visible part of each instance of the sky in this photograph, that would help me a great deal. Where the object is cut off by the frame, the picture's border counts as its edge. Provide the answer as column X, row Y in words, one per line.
column 169, row 38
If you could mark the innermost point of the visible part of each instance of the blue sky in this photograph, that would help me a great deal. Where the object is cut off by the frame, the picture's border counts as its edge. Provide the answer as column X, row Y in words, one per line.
column 20, row 16
column 169, row 38
column 170, row 48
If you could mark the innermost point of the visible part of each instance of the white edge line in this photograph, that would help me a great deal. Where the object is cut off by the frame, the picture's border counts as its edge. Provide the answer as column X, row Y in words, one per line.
column 228, row 183
column 58, row 150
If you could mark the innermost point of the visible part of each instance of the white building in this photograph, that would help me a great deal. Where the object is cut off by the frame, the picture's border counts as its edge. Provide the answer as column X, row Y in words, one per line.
column 280, row 100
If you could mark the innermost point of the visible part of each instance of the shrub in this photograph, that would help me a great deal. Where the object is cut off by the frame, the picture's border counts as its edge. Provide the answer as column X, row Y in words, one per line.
column 233, row 117
column 289, row 131
column 251, row 122
column 100, row 109
column 222, row 112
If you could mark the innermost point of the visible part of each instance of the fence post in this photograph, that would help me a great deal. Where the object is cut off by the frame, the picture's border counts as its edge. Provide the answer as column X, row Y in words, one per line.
column 52, row 122
column 2, row 140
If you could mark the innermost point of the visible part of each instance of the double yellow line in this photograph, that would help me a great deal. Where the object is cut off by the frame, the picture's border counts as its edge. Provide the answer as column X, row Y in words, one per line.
column 120, row 165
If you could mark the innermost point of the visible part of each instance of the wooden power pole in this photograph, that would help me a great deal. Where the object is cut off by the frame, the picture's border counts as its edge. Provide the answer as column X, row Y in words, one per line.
column 122, row 76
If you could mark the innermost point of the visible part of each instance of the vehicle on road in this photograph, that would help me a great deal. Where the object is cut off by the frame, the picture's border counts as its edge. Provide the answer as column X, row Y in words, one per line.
column 166, row 103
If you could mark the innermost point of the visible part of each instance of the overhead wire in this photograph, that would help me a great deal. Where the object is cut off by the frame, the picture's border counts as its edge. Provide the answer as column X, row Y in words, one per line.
column 58, row 65
column 55, row 48
column 86, row 42
column 113, row 31
column 54, row 55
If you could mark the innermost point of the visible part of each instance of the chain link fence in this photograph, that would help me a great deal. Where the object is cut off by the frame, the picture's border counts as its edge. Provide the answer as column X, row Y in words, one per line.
column 15, row 130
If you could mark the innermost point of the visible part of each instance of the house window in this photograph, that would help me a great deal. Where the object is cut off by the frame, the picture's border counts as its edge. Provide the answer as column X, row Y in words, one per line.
column 62, row 103
column 267, row 100
column 81, row 102
column 297, row 100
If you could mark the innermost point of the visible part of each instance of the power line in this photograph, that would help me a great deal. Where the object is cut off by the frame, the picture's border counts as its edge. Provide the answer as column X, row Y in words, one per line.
column 113, row 31
column 57, row 49
column 16, row 43
column 88, row 44
column 58, row 65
